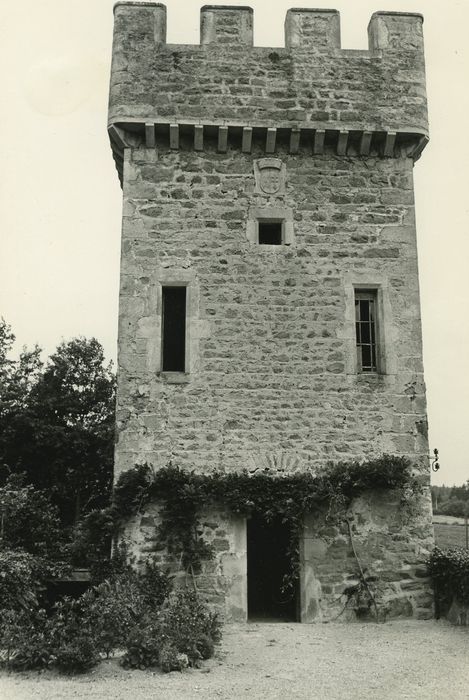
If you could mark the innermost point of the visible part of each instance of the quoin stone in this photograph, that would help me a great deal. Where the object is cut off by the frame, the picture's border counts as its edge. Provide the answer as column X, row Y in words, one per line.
column 269, row 300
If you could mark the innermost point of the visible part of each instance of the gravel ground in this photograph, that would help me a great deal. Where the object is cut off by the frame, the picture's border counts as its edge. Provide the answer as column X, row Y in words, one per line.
column 396, row 660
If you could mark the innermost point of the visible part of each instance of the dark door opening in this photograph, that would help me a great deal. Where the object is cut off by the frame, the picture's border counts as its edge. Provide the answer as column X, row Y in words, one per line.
column 268, row 564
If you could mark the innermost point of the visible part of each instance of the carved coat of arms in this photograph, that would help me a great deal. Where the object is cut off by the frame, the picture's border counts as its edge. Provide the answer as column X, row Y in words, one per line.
column 270, row 176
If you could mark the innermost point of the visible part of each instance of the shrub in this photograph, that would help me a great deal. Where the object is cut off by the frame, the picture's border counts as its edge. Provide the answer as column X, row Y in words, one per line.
column 19, row 579
column 77, row 655
column 172, row 660
column 143, row 647
column 181, row 634
column 190, row 626
column 24, row 640
column 72, row 637
column 30, row 520
column 111, row 610
column 455, row 507
column 449, row 571
column 205, row 646
column 154, row 586
column 92, row 537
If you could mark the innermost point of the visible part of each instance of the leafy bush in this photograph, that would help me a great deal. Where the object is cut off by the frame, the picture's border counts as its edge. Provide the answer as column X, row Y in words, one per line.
column 23, row 578
column 111, row 610
column 205, row 646
column 143, row 647
column 24, row 639
column 154, row 586
column 77, row 655
column 187, row 623
column 449, row 571
column 170, row 659
column 455, row 507
column 184, row 632
column 30, row 520
column 20, row 579
column 72, row 636
column 92, row 537
column 116, row 613
column 114, row 607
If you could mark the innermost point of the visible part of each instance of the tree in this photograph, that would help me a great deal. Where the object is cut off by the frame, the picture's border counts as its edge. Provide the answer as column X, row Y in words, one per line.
column 455, row 507
column 460, row 493
column 28, row 520
column 57, row 421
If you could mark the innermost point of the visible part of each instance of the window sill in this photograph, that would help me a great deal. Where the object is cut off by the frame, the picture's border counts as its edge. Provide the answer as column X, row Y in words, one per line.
column 175, row 377
column 371, row 377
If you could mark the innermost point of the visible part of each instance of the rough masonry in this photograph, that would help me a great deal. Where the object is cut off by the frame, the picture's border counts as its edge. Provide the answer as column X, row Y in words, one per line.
column 211, row 143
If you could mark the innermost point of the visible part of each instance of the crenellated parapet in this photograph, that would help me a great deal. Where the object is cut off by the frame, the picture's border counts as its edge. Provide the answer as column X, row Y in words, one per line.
column 309, row 95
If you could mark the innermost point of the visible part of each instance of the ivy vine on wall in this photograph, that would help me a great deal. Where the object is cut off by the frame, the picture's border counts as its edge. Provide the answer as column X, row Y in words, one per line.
column 183, row 495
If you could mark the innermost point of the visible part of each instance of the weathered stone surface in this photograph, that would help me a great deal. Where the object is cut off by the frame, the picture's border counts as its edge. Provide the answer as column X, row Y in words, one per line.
column 311, row 83
column 271, row 380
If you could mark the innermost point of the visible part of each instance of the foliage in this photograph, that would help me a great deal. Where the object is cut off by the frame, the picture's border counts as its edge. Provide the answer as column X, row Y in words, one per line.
column 460, row 493
column 170, row 659
column 78, row 654
column 451, row 500
column 24, row 639
column 78, row 631
column 154, row 586
column 182, row 633
column 114, row 607
column 188, row 625
column 143, row 647
column 72, row 637
column 92, row 539
column 111, row 609
column 455, row 507
column 449, row 571
column 131, row 490
column 28, row 519
column 22, row 578
column 57, row 422
column 182, row 495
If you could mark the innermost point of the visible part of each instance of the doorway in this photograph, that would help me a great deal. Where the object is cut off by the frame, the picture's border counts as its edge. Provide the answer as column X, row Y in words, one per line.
column 268, row 564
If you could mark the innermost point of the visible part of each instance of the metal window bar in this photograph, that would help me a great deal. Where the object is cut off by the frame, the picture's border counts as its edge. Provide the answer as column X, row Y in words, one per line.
column 365, row 325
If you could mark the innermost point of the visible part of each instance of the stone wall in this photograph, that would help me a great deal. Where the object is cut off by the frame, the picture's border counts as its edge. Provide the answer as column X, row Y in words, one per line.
column 391, row 542
column 272, row 379
column 311, row 82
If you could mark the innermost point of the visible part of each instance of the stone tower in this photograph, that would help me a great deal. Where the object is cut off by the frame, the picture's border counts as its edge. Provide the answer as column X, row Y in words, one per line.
column 269, row 301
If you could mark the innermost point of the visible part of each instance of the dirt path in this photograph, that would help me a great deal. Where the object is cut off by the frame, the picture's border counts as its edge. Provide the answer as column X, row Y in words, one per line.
column 397, row 660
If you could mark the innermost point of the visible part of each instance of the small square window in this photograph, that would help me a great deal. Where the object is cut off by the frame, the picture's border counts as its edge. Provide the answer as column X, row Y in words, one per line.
column 270, row 232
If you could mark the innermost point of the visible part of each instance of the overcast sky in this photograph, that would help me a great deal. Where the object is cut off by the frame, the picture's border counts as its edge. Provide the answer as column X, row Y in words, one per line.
column 60, row 201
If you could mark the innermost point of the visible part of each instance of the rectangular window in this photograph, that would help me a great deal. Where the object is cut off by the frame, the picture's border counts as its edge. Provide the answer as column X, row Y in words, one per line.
column 366, row 330
column 174, row 329
column 270, row 232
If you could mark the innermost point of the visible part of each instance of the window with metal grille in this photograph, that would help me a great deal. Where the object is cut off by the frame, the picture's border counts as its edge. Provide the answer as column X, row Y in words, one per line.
column 366, row 330
column 173, row 332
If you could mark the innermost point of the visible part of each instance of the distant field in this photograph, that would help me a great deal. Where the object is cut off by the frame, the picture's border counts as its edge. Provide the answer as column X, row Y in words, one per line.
column 449, row 535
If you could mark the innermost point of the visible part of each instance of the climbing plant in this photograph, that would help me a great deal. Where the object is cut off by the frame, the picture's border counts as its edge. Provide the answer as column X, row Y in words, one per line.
column 182, row 495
